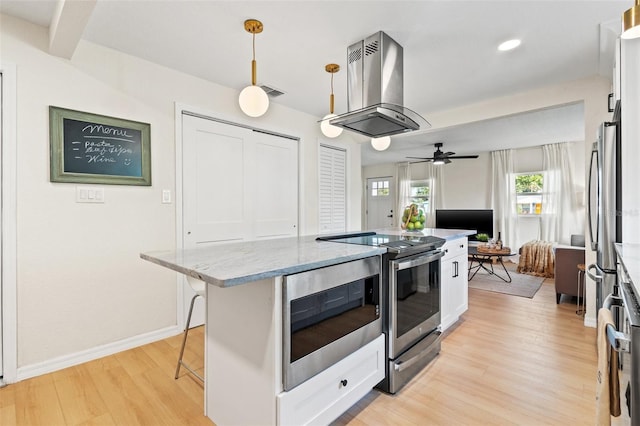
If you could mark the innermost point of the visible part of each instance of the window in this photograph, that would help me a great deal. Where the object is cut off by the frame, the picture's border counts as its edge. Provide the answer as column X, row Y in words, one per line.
column 420, row 193
column 380, row 188
column 529, row 191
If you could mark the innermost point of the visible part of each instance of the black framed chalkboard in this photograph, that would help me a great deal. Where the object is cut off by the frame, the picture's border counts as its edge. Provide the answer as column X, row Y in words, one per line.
column 91, row 148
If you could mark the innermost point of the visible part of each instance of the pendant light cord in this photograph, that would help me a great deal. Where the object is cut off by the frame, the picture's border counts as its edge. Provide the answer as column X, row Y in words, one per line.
column 253, row 61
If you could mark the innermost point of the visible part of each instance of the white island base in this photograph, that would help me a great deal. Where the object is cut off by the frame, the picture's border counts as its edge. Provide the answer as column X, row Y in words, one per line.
column 243, row 377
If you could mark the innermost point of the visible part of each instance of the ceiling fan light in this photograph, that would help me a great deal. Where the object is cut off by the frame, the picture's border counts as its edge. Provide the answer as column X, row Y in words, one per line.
column 328, row 129
column 438, row 161
column 631, row 22
column 253, row 101
column 382, row 143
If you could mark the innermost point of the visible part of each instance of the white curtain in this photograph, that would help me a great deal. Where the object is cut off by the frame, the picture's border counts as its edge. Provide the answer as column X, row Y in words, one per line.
column 560, row 210
column 436, row 192
column 404, row 189
column 503, row 198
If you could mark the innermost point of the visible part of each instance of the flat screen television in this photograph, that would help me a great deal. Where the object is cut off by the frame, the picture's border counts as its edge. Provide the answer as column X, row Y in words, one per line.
column 480, row 220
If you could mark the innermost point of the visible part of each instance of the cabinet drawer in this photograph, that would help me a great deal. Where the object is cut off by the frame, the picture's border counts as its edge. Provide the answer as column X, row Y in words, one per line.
column 454, row 248
column 330, row 393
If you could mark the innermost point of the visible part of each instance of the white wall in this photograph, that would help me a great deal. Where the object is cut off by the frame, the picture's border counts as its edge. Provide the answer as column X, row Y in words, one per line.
column 80, row 281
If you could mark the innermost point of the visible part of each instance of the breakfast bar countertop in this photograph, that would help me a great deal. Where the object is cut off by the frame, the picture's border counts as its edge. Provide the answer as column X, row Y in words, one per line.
column 227, row 265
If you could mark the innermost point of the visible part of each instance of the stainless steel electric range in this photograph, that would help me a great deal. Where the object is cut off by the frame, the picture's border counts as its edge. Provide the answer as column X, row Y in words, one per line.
column 410, row 301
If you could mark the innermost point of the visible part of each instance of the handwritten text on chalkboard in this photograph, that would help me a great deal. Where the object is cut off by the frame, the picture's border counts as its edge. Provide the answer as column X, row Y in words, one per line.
column 101, row 149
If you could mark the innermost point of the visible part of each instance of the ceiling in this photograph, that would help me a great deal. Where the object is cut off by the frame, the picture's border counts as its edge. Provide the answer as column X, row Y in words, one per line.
column 450, row 54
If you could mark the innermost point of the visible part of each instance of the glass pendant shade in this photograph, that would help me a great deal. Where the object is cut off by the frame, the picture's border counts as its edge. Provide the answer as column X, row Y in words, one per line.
column 329, row 130
column 380, row 144
column 631, row 22
column 253, row 101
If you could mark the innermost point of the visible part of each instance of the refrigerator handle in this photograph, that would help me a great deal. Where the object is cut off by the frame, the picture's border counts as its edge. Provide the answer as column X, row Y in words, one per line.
column 594, row 238
column 594, row 277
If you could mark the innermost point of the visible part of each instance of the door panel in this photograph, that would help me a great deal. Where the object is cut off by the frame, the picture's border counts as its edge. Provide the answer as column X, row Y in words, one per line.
column 275, row 201
column 213, row 189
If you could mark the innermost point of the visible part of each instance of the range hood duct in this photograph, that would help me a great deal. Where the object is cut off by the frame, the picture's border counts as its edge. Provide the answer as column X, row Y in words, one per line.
column 375, row 90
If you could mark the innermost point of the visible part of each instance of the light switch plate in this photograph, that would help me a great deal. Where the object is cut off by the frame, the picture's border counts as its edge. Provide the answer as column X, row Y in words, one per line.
column 166, row 196
column 87, row 194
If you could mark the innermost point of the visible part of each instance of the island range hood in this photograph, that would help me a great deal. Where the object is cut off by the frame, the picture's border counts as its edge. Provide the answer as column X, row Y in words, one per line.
column 375, row 90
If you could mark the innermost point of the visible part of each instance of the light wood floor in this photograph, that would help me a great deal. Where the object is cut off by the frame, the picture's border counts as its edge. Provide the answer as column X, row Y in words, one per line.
column 511, row 360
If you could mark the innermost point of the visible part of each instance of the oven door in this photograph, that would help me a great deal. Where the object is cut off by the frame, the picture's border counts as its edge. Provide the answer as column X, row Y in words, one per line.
column 414, row 293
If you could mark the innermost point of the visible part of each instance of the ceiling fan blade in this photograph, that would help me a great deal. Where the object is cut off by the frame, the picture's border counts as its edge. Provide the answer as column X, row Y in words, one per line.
column 423, row 161
column 448, row 153
column 422, row 158
column 447, row 161
column 465, row 156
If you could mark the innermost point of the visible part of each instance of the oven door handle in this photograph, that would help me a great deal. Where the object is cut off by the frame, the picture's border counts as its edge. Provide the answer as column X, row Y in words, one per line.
column 612, row 301
column 617, row 339
column 401, row 264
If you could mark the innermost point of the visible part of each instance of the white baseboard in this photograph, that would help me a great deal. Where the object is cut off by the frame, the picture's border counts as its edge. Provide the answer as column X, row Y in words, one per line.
column 70, row 360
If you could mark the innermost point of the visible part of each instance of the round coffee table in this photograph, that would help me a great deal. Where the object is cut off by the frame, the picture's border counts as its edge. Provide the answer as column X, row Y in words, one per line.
column 483, row 258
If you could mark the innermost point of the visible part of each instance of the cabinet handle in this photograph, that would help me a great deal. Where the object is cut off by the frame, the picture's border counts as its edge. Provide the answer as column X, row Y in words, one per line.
column 344, row 382
column 455, row 269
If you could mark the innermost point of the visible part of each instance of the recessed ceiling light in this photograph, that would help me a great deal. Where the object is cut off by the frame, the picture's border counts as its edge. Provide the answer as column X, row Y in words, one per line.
column 509, row 44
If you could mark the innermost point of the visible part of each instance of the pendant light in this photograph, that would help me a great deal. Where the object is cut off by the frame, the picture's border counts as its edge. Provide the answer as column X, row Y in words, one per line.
column 631, row 22
column 253, row 100
column 329, row 130
column 381, row 143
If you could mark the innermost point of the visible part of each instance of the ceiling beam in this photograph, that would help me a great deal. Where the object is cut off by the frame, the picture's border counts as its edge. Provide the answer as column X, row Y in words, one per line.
column 67, row 26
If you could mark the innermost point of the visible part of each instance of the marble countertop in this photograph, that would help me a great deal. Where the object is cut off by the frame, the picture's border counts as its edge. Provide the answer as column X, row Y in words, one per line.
column 629, row 256
column 227, row 265
column 232, row 264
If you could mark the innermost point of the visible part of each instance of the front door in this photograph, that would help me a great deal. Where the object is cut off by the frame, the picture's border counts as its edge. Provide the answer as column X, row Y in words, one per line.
column 380, row 202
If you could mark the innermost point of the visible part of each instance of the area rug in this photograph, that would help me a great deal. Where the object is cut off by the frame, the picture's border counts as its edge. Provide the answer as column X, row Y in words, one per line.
column 521, row 284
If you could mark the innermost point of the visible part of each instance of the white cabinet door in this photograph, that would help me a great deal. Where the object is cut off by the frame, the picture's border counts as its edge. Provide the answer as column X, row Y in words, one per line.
column 446, row 311
column 454, row 284
column 460, row 285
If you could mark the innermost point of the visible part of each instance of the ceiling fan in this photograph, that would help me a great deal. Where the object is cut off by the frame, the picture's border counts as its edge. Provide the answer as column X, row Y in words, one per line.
column 440, row 157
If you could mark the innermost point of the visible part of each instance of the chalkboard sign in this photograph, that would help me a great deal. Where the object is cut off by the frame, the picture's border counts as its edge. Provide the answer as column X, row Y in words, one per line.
column 91, row 148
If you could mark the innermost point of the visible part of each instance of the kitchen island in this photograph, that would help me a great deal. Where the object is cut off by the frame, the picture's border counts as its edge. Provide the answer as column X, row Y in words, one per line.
column 244, row 329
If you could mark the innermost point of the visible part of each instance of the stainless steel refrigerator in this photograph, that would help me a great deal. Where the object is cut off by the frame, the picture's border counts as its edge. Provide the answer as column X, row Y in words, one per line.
column 605, row 206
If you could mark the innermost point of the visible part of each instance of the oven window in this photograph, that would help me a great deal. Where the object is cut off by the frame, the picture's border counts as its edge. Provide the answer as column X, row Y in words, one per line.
column 417, row 295
column 326, row 316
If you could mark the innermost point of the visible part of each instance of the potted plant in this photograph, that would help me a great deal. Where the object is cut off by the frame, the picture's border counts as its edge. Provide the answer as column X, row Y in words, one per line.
column 482, row 237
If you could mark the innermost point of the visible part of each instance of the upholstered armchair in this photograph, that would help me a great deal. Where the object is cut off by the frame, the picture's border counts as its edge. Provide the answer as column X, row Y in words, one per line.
column 567, row 259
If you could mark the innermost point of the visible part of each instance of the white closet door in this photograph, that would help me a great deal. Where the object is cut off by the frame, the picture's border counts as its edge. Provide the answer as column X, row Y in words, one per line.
column 238, row 185
column 214, row 182
column 333, row 190
column 275, row 196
